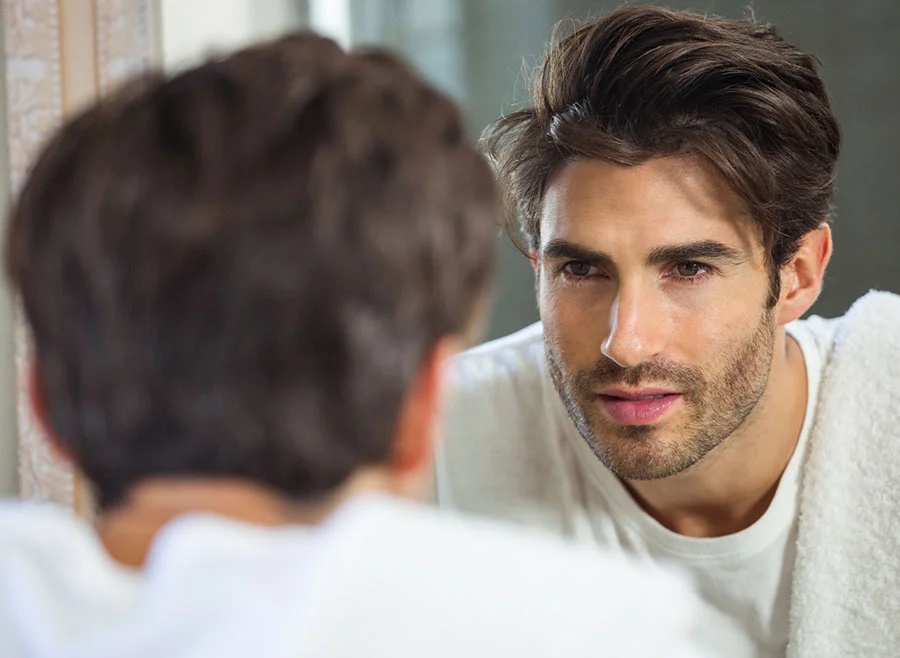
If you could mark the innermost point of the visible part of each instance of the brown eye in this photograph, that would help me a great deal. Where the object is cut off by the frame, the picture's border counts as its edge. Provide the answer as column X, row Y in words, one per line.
column 578, row 268
column 689, row 269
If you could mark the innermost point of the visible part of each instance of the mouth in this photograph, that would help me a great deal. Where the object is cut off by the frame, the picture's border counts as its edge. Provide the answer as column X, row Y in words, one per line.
column 638, row 407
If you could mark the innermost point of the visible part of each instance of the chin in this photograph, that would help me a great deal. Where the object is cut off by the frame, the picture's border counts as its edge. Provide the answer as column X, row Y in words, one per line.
column 642, row 452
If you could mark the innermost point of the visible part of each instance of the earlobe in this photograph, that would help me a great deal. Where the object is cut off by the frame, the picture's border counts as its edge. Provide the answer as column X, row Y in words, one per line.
column 802, row 277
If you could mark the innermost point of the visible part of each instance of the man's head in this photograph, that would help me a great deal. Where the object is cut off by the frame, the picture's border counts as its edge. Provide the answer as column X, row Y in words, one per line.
column 252, row 269
column 673, row 181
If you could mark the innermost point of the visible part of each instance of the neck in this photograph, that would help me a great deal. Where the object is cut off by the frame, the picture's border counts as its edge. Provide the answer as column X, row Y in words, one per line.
column 128, row 530
column 732, row 487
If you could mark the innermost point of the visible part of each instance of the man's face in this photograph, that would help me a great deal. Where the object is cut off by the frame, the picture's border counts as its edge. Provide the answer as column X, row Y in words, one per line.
column 652, row 288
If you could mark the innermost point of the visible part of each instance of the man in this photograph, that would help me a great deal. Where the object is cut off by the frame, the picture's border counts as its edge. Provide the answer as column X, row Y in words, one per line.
column 672, row 183
column 243, row 283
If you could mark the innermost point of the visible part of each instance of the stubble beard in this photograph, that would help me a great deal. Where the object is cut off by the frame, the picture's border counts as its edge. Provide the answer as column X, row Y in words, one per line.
column 716, row 405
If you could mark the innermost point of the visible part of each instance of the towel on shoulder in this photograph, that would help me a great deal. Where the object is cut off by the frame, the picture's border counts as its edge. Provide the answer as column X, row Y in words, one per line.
column 846, row 592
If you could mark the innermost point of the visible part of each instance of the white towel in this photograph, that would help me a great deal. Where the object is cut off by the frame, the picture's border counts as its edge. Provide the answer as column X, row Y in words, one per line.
column 846, row 592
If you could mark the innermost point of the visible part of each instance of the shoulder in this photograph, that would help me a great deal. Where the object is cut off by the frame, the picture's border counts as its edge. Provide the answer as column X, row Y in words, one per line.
column 874, row 316
column 498, row 453
column 815, row 332
column 871, row 326
column 516, row 357
column 40, row 530
column 868, row 330
column 499, row 587
column 502, row 379
column 51, row 564
column 865, row 355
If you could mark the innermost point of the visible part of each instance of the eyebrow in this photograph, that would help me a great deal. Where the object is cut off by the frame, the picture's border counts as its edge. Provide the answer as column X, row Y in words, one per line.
column 708, row 250
column 705, row 250
column 564, row 250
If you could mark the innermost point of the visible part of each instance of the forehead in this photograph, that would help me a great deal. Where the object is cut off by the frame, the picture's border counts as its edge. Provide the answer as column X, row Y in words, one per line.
column 660, row 202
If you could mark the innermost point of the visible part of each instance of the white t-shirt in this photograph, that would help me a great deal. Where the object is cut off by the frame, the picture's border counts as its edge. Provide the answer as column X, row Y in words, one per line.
column 379, row 578
column 510, row 451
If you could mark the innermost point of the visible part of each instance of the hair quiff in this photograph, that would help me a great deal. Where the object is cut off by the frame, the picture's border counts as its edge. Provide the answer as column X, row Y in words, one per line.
column 645, row 82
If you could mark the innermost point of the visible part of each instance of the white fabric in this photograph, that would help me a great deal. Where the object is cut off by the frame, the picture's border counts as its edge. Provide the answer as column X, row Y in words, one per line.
column 510, row 451
column 846, row 599
column 380, row 578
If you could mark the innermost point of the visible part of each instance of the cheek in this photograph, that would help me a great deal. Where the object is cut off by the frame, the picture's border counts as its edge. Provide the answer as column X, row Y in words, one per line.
column 576, row 324
column 709, row 319
column 712, row 335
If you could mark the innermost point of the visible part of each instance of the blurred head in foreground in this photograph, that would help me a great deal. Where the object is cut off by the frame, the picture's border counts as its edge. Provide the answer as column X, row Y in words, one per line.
column 251, row 274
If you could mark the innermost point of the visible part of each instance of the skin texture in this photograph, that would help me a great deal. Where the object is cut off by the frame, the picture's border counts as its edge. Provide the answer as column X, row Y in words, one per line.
column 652, row 279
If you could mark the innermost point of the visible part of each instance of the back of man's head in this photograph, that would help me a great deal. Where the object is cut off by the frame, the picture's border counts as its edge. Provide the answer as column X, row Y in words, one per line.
column 238, row 271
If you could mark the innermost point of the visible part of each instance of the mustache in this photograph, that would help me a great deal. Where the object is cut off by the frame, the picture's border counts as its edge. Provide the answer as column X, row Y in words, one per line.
column 607, row 373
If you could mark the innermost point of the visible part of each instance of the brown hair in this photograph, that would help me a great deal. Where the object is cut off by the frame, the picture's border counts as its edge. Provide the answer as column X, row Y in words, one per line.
column 238, row 271
column 645, row 82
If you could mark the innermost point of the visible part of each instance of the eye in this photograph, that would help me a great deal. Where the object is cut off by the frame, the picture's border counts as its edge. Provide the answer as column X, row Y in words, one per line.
column 579, row 269
column 690, row 269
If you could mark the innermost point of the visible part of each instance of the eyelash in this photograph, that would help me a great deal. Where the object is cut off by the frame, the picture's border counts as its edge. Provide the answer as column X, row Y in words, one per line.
column 578, row 278
column 706, row 272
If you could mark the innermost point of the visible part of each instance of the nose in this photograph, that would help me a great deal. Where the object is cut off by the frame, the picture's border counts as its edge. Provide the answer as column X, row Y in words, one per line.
column 635, row 329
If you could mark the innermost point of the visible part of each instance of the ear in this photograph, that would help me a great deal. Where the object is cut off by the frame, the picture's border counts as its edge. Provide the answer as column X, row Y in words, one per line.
column 417, row 424
column 535, row 263
column 37, row 404
column 474, row 330
column 801, row 278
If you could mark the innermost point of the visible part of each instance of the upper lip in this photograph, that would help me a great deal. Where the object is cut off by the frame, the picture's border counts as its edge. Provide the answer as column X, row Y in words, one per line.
column 636, row 393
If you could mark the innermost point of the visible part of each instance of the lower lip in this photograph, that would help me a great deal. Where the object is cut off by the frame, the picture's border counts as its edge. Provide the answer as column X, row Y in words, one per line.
column 638, row 412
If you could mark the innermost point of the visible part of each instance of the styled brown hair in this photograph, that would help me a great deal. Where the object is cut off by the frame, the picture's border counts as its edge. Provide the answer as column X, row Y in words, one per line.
column 645, row 82
column 238, row 271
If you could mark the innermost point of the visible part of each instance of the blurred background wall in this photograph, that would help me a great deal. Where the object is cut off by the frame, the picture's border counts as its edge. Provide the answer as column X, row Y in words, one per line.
column 57, row 55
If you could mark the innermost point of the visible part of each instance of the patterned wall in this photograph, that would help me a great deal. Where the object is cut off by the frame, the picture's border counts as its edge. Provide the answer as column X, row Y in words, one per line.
column 59, row 55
